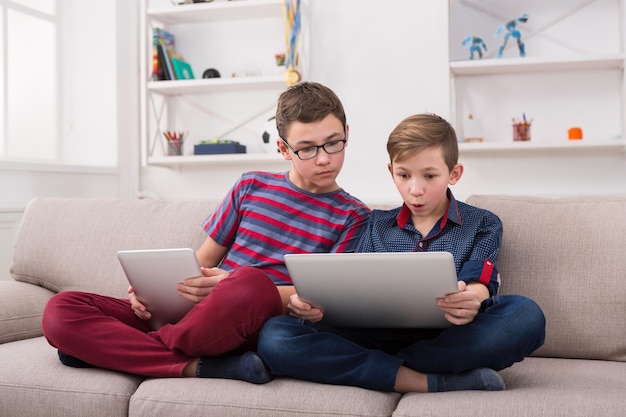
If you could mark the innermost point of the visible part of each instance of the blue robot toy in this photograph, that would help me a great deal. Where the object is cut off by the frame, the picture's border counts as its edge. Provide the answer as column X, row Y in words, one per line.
column 476, row 45
column 511, row 31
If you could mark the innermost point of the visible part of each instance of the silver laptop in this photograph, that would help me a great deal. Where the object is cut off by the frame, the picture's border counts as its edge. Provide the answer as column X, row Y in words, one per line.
column 154, row 273
column 376, row 290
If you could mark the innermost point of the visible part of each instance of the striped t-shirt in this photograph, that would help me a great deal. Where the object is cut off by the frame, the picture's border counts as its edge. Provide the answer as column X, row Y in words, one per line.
column 265, row 216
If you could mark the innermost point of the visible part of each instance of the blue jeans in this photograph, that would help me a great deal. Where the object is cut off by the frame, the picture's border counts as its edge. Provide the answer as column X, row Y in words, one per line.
column 507, row 328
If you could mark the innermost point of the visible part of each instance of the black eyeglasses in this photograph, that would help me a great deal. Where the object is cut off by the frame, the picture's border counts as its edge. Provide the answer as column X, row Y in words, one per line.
column 310, row 152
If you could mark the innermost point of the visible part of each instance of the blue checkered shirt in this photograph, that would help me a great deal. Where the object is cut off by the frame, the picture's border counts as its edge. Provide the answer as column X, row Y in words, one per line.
column 472, row 235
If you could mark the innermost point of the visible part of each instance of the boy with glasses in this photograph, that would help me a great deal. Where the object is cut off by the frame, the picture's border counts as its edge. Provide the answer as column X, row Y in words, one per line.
column 264, row 216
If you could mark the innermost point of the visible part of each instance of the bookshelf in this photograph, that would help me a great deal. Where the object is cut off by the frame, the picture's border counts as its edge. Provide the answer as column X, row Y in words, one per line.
column 577, row 72
column 239, row 39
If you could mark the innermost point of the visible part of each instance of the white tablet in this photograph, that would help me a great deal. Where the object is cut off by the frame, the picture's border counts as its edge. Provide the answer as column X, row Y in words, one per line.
column 383, row 290
column 154, row 273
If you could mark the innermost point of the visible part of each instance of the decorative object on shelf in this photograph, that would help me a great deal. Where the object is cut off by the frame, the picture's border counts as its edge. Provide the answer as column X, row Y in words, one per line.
column 512, row 32
column 521, row 129
column 473, row 129
column 270, row 136
column 575, row 133
column 182, row 69
column 175, row 142
column 477, row 45
column 218, row 146
column 280, row 59
column 292, row 22
column 211, row 73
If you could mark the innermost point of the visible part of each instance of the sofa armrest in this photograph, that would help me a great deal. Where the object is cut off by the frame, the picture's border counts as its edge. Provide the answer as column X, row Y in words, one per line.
column 21, row 308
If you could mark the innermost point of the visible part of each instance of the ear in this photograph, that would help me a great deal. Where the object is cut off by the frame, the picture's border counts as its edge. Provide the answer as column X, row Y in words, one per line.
column 456, row 174
column 347, row 133
column 284, row 151
column 390, row 168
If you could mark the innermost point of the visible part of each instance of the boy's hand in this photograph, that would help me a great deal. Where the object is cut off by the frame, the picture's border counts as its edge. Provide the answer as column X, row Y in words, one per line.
column 195, row 289
column 299, row 308
column 461, row 307
column 136, row 306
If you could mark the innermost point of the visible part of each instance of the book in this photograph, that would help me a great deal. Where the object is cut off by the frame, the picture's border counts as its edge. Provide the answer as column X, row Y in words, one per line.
column 163, row 48
column 182, row 69
column 164, row 74
column 156, row 69
column 169, row 70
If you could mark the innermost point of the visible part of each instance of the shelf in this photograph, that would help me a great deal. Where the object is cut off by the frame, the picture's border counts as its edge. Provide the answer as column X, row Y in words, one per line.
column 528, row 65
column 606, row 146
column 217, row 11
column 215, row 85
column 225, row 159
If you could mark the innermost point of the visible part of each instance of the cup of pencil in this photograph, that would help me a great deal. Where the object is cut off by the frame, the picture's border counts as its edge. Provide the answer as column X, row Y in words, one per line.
column 521, row 129
column 175, row 142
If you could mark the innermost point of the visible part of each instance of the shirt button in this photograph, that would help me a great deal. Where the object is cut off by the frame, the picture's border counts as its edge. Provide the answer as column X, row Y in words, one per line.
column 421, row 244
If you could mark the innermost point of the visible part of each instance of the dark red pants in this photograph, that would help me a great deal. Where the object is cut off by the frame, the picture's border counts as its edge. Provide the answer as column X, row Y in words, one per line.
column 105, row 332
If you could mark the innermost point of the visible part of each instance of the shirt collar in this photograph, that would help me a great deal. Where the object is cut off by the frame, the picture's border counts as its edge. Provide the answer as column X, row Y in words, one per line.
column 452, row 214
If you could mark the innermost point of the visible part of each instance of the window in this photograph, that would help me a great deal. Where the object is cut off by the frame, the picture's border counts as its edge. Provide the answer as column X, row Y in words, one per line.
column 28, row 117
column 59, row 82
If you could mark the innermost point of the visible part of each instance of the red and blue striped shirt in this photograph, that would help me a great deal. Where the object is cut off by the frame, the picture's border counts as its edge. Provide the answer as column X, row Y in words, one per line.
column 265, row 216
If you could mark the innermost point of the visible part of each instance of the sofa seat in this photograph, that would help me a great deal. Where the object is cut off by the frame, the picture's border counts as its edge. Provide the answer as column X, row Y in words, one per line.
column 35, row 383
column 279, row 398
column 534, row 387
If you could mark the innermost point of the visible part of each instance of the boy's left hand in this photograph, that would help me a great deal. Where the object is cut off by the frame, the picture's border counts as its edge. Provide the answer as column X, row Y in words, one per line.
column 461, row 307
column 195, row 289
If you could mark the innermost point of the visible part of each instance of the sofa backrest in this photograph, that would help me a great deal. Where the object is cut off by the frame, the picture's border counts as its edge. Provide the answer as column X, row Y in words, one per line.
column 568, row 254
column 72, row 244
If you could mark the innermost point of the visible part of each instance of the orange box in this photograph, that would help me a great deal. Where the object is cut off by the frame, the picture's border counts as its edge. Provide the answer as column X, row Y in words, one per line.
column 575, row 133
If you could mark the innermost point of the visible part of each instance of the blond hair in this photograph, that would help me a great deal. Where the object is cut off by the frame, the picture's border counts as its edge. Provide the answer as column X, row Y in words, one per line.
column 423, row 131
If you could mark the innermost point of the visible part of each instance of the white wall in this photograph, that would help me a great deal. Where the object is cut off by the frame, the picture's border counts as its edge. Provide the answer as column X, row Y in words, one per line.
column 384, row 62
column 387, row 62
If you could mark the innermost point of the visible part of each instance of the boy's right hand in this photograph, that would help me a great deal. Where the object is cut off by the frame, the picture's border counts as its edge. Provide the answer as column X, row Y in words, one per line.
column 137, row 307
column 300, row 308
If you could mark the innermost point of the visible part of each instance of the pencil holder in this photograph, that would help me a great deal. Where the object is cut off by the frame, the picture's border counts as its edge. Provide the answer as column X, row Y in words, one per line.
column 521, row 131
column 175, row 147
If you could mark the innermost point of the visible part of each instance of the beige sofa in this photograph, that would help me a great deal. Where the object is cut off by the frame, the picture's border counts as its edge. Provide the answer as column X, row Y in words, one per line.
column 567, row 254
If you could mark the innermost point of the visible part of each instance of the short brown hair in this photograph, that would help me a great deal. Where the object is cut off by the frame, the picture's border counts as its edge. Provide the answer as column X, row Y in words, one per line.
column 422, row 131
column 307, row 102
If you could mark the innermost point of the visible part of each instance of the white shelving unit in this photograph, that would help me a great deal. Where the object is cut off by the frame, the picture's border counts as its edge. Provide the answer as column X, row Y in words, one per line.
column 224, row 159
column 577, row 146
column 572, row 76
column 247, row 97
column 530, row 65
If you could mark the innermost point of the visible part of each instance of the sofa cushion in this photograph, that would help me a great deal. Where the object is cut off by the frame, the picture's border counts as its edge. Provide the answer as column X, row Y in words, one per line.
column 72, row 244
column 39, row 385
column 568, row 255
column 21, row 310
column 534, row 387
column 281, row 397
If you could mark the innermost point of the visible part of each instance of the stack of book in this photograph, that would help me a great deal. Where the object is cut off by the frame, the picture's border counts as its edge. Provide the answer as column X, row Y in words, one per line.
column 166, row 63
